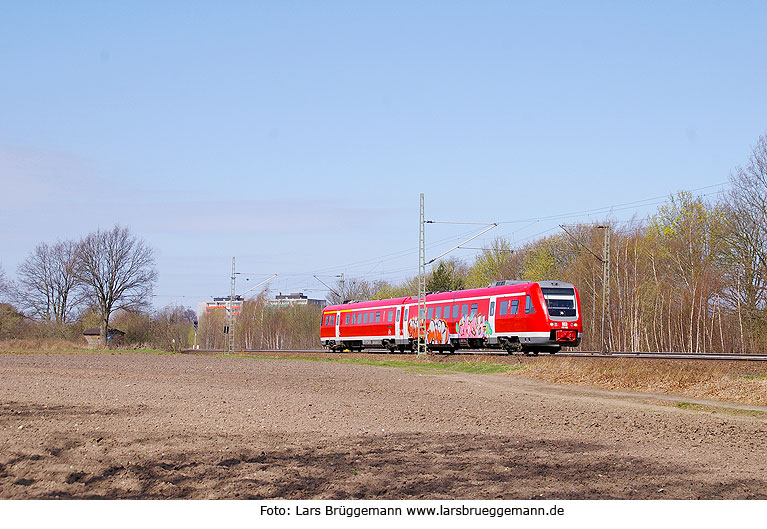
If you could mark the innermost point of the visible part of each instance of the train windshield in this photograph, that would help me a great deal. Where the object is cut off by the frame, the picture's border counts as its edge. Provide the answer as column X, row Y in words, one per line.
column 560, row 301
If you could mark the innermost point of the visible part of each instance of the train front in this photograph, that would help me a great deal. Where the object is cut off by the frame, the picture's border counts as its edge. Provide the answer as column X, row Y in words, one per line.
column 563, row 307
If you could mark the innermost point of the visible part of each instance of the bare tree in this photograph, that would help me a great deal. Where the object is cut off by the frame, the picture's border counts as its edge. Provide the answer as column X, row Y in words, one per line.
column 118, row 270
column 137, row 326
column 746, row 216
column 210, row 334
column 47, row 282
column 496, row 262
column 351, row 288
column 171, row 327
column 4, row 286
column 450, row 274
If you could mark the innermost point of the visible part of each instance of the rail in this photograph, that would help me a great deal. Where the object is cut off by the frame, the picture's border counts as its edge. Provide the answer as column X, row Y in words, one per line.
column 484, row 353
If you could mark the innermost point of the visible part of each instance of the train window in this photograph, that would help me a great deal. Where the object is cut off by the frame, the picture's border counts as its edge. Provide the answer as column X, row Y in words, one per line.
column 455, row 312
column 397, row 315
column 390, row 316
column 560, row 301
column 502, row 308
column 464, row 309
column 365, row 318
column 473, row 309
column 430, row 313
column 492, row 308
column 347, row 318
column 378, row 317
column 514, row 308
column 437, row 313
column 333, row 319
column 529, row 305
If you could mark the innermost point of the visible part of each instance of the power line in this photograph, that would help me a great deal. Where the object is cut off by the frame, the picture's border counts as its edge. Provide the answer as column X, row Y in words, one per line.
column 531, row 221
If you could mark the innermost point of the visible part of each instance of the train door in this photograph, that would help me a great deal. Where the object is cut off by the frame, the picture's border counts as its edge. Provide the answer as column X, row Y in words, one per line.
column 338, row 325
column 403, row 328
column 491, row 312
column 397, row 317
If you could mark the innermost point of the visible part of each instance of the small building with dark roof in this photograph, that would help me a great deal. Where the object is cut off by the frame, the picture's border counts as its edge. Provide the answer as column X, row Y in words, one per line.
column 115, row 337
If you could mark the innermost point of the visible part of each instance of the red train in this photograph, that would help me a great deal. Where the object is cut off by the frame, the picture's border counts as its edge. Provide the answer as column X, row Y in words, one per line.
column 517, row 316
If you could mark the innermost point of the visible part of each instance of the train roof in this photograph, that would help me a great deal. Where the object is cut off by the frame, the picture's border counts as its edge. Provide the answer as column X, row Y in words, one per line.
column 365, row 304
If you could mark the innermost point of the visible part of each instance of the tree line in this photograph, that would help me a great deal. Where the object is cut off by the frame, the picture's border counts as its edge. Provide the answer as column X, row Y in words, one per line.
column 60, row 287
column 263, row 326
column 690, row 277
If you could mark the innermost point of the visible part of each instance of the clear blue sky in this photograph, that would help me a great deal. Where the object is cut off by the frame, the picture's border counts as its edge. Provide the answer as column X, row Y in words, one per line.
column 297, row 136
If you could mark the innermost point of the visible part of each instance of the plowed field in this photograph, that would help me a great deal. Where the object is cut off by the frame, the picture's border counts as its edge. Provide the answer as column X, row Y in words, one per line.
column 178, row 426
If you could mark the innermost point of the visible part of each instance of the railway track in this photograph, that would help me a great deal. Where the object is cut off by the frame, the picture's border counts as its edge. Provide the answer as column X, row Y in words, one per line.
column 500, row 354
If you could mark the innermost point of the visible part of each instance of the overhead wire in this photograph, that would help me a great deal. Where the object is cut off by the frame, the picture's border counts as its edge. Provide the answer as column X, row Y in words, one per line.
column 531, row 221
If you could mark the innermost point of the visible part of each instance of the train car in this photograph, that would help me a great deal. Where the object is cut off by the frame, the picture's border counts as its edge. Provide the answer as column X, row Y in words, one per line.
column 517, row 316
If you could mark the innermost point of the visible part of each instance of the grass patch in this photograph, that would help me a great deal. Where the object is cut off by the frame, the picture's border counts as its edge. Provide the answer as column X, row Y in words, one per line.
column 26, row 347
column 691, row 406
column 412, row 366
column 750, row 376
column 41, row 345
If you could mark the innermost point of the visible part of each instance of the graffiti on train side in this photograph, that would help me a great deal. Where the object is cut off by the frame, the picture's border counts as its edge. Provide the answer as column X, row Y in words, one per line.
column 475, row 326
column 412, row 327
column 436, row 331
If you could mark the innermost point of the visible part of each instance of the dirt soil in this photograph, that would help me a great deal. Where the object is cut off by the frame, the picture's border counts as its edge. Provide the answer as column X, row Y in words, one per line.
column 178, row 426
